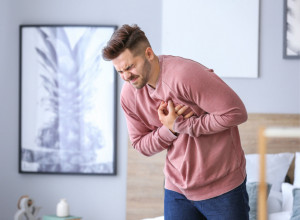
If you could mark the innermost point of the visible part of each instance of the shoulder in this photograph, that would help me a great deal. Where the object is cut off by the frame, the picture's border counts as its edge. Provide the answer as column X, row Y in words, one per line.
column 175, row 66
column 127, row 96
column 176, row 70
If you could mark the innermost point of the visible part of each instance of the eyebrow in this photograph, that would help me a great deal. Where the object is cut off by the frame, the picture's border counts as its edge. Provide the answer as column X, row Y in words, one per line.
column 127, row 68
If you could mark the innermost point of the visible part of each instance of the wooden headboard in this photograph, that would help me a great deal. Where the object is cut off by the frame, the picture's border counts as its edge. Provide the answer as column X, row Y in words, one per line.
column 145, row 179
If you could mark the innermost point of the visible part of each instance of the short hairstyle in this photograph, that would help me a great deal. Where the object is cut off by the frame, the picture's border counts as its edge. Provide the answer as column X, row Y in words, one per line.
column 126, row 37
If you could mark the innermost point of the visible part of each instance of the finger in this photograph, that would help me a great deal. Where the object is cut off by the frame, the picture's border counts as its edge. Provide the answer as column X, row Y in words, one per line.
column 189, row 115
column 182, row 110
column 160, row 113
column 161, row 109
column 171, row 106
column 162, row 105
column 178, row 107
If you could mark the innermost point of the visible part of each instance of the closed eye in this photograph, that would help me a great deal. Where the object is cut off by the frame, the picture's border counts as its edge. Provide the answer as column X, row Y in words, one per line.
column 126, row 69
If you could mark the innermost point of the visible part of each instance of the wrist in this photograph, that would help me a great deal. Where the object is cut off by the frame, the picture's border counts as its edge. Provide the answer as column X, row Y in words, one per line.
column 175, row 133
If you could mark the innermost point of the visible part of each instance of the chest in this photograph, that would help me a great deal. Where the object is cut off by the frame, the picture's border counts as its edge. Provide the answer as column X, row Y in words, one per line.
column 147, row 106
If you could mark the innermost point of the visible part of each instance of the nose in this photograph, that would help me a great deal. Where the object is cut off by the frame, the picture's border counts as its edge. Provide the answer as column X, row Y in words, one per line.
column 126, row 75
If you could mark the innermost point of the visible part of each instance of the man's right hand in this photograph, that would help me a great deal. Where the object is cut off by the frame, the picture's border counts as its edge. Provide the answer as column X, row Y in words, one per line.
column 167, row 113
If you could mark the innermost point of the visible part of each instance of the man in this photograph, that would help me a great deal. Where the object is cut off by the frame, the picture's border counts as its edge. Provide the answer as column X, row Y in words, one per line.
column 181, row 106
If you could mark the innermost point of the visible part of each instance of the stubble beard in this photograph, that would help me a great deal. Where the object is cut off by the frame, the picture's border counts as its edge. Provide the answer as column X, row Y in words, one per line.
column 146, row 75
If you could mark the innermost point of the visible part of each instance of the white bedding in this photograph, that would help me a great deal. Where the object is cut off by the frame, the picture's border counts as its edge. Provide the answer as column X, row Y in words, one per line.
column 273, row 216
column 280, row 215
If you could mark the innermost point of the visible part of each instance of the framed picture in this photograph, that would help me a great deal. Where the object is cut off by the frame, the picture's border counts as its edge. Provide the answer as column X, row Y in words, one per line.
column 67, row 100
column 291, row 47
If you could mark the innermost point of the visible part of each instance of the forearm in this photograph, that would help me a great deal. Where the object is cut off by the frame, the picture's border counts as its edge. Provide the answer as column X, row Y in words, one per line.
column 210, row 123
column 153, row 142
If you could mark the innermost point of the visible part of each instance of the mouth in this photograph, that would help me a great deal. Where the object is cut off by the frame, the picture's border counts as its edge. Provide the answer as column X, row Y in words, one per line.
column 133, row 80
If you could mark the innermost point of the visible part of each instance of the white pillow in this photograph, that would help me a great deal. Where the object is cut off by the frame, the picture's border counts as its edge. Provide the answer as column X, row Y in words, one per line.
column 274, row 201
column 287, row 196
column 280, row 216
column 277, row 166
column 297, row 170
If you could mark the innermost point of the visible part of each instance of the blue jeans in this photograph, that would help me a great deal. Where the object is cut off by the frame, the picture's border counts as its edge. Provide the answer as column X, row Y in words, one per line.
column 233, row 205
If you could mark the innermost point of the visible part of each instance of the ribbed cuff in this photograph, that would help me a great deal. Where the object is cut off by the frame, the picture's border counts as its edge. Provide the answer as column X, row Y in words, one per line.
column 166, row 134
column 181, row 125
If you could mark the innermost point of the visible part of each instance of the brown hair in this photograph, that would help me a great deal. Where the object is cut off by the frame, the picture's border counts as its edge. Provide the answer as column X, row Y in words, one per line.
column 126, row 37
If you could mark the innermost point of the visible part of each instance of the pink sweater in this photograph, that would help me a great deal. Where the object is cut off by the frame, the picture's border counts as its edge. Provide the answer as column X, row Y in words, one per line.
column 206, row 159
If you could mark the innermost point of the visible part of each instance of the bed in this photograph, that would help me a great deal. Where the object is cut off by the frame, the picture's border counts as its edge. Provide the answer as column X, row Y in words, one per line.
column 145, row 177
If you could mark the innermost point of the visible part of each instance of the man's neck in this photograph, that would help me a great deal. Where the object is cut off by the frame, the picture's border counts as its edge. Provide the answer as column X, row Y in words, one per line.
column 155, row 73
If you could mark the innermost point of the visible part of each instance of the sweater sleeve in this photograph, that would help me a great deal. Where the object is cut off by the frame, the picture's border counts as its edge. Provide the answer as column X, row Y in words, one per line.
column 146, row 141
column 223, row 108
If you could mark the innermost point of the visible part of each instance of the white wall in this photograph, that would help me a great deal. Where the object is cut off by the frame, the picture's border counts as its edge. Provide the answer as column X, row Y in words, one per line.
column 277, row 90
column 102, row 197
column 218, row 33
column 93, row 197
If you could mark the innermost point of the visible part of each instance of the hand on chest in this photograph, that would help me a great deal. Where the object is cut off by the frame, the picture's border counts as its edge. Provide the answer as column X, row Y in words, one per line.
column 147, row 109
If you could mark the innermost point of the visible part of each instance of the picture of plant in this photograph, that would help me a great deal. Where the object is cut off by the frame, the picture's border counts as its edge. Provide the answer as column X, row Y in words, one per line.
column 67, row 109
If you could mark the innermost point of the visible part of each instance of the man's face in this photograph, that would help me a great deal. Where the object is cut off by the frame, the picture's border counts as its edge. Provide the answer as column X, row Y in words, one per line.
column 135, row 70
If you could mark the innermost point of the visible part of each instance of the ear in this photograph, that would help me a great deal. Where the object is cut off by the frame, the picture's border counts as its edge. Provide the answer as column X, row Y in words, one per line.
column 149, row 53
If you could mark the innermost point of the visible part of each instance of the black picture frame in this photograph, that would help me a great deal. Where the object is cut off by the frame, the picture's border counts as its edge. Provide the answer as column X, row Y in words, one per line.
column 291, row 41
column 67, row 106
